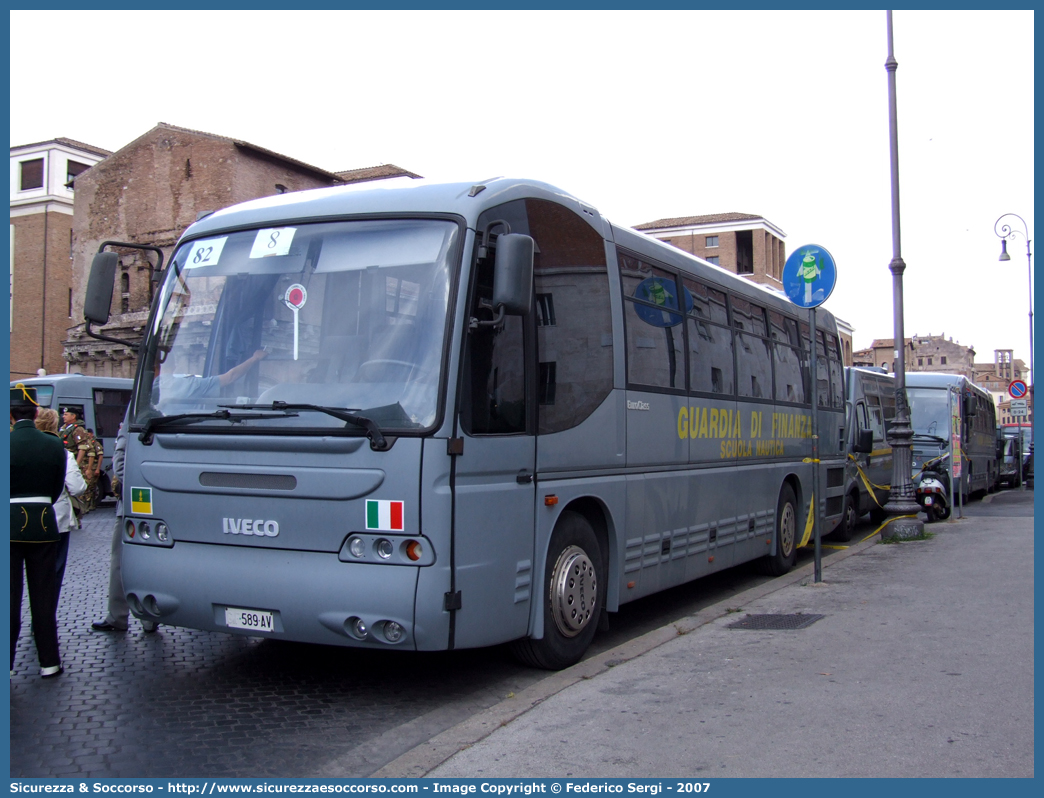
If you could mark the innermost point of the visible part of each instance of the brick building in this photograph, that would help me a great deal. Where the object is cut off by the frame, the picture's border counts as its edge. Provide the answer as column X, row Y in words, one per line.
column 148, row 192
column 742, row 243
column 41, row 250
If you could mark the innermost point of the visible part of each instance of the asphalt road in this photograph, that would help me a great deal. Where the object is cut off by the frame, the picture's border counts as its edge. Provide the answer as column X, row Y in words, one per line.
column 189, row 703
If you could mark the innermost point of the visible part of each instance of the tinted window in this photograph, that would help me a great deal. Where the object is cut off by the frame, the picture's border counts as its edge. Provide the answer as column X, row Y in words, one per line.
column 652, row 324
column 711, row 368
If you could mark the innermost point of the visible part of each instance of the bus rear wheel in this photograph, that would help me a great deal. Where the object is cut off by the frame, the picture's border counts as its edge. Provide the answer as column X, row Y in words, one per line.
column 849, row 518
column 573, row 596
column 786, row 534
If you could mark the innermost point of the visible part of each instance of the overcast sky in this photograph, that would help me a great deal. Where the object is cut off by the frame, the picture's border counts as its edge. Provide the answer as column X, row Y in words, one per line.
column 643, row 115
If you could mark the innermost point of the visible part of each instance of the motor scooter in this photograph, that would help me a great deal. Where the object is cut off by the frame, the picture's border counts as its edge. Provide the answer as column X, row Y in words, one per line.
column 931, row 490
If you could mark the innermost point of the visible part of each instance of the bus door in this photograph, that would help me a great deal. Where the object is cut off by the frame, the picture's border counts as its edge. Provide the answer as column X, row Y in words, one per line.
column 494, row 485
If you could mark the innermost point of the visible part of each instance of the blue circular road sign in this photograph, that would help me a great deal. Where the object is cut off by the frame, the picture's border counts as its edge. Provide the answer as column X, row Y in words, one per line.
column 809, row 276
column 1017, row 389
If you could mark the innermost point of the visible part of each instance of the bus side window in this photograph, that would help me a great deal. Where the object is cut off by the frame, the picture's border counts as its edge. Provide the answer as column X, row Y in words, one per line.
column 573, row 316
column 652, row 325
column 711, row 367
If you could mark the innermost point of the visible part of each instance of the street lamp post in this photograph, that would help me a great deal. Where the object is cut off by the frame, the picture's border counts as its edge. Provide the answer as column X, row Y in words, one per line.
column 902, row 500
column 1004, row 231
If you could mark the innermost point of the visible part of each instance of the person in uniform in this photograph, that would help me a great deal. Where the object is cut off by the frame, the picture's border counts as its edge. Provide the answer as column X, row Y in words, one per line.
column 77, row 440
column 92, row 473
column 37, row 480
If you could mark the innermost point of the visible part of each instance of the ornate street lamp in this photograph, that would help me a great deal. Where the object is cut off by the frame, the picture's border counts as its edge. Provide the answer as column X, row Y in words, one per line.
column 902, row 499
column 1004, row 231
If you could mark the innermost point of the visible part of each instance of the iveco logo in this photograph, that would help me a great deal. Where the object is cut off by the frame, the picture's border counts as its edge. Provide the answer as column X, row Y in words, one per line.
column 637, row 405
column 245, row 526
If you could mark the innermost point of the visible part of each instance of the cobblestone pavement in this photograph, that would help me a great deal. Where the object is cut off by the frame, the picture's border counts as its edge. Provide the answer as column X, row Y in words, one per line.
column 188, row 703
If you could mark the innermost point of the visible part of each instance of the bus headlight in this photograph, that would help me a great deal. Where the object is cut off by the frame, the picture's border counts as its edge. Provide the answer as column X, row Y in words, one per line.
column 357, row 547
column 162, row 533
column 144, row 530
column 393, row 631
column 385, row 549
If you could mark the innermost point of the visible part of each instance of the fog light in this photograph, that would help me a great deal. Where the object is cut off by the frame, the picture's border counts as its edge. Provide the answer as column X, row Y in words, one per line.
column 357, row 547
column 414, row 550
column 393, row 631
column 130, row 528
column 162, row 533
column 359, row 628
column 385, row 549
column 144, row 531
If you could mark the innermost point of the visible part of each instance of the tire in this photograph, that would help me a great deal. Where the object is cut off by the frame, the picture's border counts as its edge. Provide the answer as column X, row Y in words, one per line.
column 943, row 513
column 849, row 517
column 787, row 516
column 573, row 596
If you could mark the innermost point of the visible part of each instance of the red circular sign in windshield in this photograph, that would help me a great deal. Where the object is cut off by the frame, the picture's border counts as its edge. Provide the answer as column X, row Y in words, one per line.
column 296, row 296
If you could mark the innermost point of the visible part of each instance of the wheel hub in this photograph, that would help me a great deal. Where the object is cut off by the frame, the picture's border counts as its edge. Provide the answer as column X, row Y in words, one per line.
column 787, row 529
column 574, row 591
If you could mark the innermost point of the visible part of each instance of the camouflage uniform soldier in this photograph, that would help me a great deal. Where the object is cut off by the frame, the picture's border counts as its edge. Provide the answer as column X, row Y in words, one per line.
column 78, row 441
column 92, row 474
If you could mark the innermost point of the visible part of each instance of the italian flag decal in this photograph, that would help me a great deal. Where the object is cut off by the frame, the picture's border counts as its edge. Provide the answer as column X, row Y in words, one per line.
column 141, row 501
column 384, row 516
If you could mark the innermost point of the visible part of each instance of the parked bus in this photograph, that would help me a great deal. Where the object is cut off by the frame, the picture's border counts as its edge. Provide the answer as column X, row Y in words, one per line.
column 446, row 416
column 870, row 408
column 101, row 400
column 1016, row 442
column 929, row 395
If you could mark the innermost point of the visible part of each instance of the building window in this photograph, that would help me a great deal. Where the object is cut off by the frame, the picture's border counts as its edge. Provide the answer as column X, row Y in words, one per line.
column 32, row 174
column 280, row 188
column 545, row 307
column 714, row 259
column 920, row 361
column 74, row 168
column 712, row 241
column 125, row 293
column 943, row 360
column 929, row 361
column 70, row 303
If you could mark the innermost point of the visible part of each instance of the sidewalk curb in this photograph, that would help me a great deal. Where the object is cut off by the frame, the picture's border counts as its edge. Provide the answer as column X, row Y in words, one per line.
column 421, row 760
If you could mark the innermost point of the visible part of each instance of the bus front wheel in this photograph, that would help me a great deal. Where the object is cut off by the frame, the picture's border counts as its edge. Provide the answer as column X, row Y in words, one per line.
column 573, row 596
column 786, row 534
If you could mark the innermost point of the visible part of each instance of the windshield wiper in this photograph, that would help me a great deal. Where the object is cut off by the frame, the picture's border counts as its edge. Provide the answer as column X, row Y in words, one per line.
column 924, row 435
column 377, row 441
column 191, row 418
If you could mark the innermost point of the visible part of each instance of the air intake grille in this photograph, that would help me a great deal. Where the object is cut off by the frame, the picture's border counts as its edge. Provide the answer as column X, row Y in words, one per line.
column 797, row 621
column 212, row 479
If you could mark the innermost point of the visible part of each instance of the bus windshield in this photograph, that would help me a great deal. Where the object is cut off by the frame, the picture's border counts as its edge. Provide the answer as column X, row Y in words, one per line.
column 929, row 411
column 347, row 315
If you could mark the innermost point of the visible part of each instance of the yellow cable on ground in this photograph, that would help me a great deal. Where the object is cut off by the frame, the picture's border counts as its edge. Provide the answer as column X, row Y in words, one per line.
column 886, row 523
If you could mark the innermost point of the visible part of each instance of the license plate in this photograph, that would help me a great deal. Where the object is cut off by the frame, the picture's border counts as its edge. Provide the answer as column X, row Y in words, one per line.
column 928, row 501
column 253, row 620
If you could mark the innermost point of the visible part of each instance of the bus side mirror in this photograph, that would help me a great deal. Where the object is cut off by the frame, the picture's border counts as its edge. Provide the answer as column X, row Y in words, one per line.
column 970, row 406
column 513, row 274
column 864, row 443
column 98, row 301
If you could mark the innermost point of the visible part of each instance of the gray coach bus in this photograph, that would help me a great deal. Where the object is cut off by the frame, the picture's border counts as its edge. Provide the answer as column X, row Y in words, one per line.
column 446, row 416
column 930, row 417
